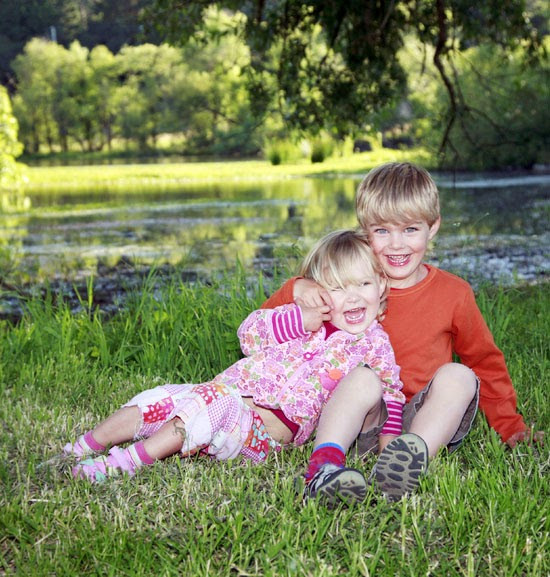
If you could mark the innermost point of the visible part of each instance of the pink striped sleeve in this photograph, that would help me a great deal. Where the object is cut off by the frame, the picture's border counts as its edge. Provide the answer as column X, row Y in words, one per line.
column 394, row 424
column 288, row 325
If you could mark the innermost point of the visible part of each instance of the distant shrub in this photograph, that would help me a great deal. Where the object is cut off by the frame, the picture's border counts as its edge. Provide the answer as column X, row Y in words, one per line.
column 281, row 152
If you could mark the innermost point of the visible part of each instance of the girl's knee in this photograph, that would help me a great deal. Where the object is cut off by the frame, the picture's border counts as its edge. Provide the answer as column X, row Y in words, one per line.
column 362, row 383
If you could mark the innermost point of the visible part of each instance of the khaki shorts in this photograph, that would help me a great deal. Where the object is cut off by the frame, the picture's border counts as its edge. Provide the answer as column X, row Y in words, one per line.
column 367, row 442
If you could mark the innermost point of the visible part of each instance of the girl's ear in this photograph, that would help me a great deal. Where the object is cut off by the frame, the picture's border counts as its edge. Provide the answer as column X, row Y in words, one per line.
column 434, row 228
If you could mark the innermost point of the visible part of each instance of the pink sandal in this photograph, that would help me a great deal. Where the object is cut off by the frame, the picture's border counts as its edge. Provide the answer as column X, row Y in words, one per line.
column 100, row 468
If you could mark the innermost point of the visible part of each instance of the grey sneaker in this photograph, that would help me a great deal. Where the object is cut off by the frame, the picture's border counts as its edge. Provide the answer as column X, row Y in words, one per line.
column 400, row 466
column 333, row 485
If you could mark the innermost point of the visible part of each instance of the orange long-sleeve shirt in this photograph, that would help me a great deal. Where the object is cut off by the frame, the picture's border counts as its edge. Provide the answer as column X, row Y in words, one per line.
column 426, row 324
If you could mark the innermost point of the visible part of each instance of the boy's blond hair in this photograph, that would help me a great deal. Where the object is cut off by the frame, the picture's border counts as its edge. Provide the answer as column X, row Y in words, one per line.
column 332, row 262
column 397, row 192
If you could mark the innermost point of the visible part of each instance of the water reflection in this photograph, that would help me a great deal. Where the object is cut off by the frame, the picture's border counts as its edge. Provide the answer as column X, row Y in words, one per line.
column 492, row 227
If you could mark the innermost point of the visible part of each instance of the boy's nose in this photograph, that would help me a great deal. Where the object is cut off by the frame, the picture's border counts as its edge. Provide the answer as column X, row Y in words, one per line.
column 396, row 240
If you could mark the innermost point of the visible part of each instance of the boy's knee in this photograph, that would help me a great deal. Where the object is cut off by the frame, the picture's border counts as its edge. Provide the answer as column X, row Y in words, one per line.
column 459, row 377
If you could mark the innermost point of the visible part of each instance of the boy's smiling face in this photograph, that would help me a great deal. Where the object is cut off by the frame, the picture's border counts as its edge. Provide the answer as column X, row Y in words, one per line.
column 401, row 247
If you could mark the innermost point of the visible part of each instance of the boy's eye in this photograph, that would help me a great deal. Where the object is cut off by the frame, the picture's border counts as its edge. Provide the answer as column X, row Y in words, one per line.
column 380, row 231
column 411, row 229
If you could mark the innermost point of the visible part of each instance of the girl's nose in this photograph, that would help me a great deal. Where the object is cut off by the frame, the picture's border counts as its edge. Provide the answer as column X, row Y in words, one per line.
column 352, row 294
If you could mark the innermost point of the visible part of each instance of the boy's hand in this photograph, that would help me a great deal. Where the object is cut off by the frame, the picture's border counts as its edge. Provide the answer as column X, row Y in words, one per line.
column 529, row 436
column 313, row 317
column 311, row 294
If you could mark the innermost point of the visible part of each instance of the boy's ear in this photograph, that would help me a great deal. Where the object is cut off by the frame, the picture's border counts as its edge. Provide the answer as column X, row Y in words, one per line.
column 434, row 228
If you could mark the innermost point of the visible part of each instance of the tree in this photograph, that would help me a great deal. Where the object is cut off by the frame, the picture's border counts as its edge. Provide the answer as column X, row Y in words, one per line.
column 91, row 22
column 73, row 106
column 11, row 178
column 336, row 61
column 211, row 99
column 19, row 22
column 73, row 95
column 495, row 128
column 143, row 101
column 103, row 88
column 36, row 70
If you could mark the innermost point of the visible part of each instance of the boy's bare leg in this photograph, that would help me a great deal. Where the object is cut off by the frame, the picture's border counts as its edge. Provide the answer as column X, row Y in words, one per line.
column 353, row 407
column 452, row 390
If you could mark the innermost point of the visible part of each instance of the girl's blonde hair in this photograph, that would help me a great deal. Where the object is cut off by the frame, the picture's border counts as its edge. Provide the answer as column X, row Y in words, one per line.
column 397, row 192
column 332, row 262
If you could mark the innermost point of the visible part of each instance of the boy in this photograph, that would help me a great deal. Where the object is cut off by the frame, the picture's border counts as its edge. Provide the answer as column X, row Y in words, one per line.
column 431, row 315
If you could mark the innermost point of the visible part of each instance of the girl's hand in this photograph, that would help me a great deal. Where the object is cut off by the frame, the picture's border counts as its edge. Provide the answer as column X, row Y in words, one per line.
column 529, row 436
column 313, row 317
column 310, row 294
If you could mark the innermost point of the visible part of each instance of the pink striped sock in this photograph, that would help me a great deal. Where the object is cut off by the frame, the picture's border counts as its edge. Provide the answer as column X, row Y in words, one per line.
column 84, row 445
column 139, row 455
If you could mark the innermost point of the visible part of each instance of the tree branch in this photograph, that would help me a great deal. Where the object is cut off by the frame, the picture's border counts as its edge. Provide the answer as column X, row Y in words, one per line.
column 440, row 50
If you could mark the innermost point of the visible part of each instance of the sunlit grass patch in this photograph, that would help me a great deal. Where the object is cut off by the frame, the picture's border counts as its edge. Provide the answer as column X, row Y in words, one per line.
column 172, row 176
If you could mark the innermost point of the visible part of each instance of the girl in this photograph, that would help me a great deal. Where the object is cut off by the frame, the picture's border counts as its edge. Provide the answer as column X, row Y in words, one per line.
column 273, row 397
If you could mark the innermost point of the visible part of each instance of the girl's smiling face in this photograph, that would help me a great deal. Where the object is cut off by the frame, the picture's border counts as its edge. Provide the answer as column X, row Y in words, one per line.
column 357, row 304
column 400, row 248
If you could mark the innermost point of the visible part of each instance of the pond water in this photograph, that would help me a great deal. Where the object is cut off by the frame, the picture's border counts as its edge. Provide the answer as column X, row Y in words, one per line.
column 495, row 227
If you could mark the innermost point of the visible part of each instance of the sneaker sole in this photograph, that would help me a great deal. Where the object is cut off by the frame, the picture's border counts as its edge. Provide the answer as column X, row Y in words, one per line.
column 348, row 486
column 400, row 466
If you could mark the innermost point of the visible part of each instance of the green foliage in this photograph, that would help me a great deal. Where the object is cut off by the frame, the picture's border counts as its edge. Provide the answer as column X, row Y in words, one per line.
column 494, row 128
column 333, row 64
column 479, row 511
column 90, row 22
column 281, row 151
column 497, row 129
column 94, row 98
column 11, row 172
column 250, row 80
column 322, row 147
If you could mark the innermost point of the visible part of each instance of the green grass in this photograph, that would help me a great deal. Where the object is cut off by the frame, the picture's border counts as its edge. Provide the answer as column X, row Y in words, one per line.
column 140, row 177
column 481, row 511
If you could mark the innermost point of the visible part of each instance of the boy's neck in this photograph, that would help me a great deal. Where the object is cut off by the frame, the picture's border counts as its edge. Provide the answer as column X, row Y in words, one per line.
column 420, row 274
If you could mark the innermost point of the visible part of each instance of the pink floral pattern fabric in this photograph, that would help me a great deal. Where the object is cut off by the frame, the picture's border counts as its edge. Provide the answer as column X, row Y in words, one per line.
column 298, row 376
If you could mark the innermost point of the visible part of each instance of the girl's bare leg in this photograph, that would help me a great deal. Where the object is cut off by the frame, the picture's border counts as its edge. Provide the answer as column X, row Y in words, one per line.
column 120, row 427
column 353, row 407
column 167, row 441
